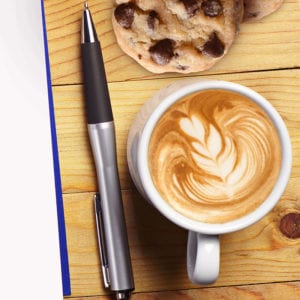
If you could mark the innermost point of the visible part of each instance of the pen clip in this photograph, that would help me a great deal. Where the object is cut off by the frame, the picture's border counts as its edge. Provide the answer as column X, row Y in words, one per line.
column 101, row 240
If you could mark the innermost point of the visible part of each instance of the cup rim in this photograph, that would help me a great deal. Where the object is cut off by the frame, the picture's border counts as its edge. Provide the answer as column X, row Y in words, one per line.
column 171, row 213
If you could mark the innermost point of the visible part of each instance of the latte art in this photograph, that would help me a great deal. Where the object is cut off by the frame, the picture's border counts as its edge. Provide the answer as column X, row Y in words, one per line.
column 214, row 156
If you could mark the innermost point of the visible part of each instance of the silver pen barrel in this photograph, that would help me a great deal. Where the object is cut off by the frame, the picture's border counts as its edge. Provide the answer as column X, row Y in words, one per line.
column 115, row 256
column 102, row 139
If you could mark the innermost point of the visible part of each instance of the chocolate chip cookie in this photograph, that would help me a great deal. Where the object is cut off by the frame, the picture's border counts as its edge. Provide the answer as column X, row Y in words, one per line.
column 257, row 9
column 176, row 35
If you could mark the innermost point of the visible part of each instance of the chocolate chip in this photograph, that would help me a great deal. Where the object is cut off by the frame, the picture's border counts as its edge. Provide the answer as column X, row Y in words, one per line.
column 182, row 68
column 212, row 8
column 162, row 52
column 152, row 17
column 214, row 46
column 191, row 6
column 124, row 14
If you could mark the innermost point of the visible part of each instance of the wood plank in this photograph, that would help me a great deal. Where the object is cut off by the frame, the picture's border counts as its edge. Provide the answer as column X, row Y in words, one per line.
column 258, row 254
column 276, row 291
column 271, row 43
column 281, row 88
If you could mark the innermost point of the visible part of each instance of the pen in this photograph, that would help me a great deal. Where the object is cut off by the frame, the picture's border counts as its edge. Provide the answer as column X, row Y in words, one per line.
column 111, row 227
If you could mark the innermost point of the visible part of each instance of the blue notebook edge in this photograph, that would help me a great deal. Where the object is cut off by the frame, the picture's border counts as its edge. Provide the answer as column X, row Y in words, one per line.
column 58, row 187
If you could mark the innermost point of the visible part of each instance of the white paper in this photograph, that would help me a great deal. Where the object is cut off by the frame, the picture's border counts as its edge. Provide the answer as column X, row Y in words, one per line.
column 29, row 249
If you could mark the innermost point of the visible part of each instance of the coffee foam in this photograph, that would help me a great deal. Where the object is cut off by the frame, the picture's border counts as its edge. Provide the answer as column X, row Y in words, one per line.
column 214, row 156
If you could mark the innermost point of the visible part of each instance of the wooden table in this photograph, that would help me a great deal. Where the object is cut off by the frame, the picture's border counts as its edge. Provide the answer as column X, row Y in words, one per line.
column 259, row 262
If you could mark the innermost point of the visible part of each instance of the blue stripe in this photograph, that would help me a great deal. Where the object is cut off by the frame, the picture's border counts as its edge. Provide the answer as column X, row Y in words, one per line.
column 59, row 199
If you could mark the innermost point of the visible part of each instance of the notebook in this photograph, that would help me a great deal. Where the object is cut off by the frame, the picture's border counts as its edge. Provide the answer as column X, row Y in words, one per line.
column 33, row 252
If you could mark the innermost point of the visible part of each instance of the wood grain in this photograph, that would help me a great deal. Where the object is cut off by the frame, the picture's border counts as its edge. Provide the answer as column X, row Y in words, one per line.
column 265, row 57
column 258, row 254
column 281, row 88
column 277, row 291
column 272, row 43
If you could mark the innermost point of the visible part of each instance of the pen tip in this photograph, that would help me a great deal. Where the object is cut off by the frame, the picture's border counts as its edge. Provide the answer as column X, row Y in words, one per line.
column 86, row 5
column 123, row 295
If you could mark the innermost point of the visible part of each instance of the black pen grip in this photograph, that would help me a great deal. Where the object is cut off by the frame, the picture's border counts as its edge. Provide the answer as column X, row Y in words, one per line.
column 98, row 106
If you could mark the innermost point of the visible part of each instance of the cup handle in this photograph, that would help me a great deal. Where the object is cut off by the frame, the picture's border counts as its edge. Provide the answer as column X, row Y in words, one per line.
column 203, row 257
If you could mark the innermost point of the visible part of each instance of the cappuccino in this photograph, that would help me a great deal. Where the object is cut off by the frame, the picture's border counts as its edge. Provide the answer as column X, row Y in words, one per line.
column 214, row 156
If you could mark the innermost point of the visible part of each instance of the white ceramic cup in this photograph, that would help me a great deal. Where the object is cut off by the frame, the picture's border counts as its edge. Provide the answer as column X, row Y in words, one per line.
column 203, row 249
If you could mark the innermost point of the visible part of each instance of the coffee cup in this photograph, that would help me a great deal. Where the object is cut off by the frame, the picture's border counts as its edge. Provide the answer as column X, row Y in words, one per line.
column 213, row 157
